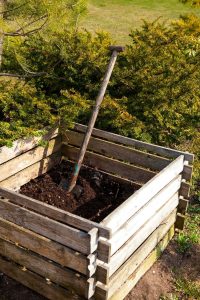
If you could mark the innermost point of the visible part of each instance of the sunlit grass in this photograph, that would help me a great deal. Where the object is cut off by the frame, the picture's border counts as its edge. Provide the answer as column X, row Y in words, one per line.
column 120, row 16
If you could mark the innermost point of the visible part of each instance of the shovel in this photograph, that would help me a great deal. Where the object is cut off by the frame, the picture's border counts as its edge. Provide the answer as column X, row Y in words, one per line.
column 64, row 184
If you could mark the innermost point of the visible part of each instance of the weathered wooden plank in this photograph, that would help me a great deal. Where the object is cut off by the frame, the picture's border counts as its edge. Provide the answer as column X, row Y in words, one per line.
column 127, row 209
column 57, row 274
column 130, row 227
column 14, row 182
column 143, row 215
column 104, row 250
column 71, row 237
column 143, row 268
column 180, row 220
column 23, row 145
column 117, row 151
column 29, row 158
column 187, row 171
column 139, row 237
column 163, row 151
column 102, row 272
column 54, row 213
column 35, row 282
column 102, row 291
column 185, row 189
column 123, row 273
column 183, row 205
column 109, row 165
column 47, row 248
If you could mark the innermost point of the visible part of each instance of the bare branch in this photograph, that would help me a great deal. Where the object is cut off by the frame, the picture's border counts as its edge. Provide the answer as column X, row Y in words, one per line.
column 21, row 31
column 23, row 75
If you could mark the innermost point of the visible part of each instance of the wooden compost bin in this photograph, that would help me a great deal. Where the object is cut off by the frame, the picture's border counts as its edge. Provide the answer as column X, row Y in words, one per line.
column 63, row 256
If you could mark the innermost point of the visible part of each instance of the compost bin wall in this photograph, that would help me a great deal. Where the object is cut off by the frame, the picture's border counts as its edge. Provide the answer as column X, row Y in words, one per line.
column 63, row 256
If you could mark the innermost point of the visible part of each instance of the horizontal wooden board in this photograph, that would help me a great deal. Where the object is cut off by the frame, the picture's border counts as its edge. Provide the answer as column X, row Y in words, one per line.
column 29, row 158
column 14, row 182
column 116, row 151
column 123, row 273
column 185, row 189
column 71, row 237
column 23, row 145
column 139, row 237
column 109, row 165
column 162, row 151
column 54, row 213
column 102, row 291
column 57, row 274
column 143, row 268
column 50, row 249
column 183, row 205
column 187, row 172
column 35, row 282
column 180, row 221
column 134, row 203
column 143, row 215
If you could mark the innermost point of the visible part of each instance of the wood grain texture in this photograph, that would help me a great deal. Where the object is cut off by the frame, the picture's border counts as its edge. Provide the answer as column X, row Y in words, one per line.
column 57, row 274
column 102, row 291
column 71, row 237
column 143, row 215
column 144, row 267
column 50, row 249
column 109, row 165
column 23, row 145
column 54, row 212
column 162, row 151
column 180, row 221
column 29, row 158
column 134, row 203
column 123, row 273
column 116, row 151
column 35, row 282
column 139, row 237
column 14, row 182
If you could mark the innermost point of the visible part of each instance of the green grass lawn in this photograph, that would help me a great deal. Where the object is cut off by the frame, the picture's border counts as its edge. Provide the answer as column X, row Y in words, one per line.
column 119, row 16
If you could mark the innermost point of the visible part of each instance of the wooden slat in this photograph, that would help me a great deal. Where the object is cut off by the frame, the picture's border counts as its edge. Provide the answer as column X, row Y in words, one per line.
column 102, row 291
column 23, row 145
column 117, row 151
column 29, row 158
column 104, row 250
column 62, row 276
column 183, row 205
column 71, row 237
column 143, row 268
column 47, row 248
column 129, row 228
column 187, row 172
column 163, row 151
column 109, row 165
column 180, row 221
column 137, row 239
column 143, row 215
column 185, row 189
column 54, row 213
column 14, row 182
column 120, row 276
column 127, row 209
column 36, row 282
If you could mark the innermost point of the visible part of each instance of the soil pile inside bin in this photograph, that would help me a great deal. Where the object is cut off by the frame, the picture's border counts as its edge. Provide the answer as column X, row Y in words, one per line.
column 98, row 197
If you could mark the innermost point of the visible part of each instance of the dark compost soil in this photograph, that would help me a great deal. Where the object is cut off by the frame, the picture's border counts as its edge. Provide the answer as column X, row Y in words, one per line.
column 95, row 196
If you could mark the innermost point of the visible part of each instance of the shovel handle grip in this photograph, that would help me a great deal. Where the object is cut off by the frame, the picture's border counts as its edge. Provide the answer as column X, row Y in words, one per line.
column 117, row 48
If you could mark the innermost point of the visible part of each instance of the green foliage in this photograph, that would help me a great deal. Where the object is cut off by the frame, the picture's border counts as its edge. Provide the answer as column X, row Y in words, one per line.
column 23, row 111
column 159, row 74
column 188, row 288
column 192, row 2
